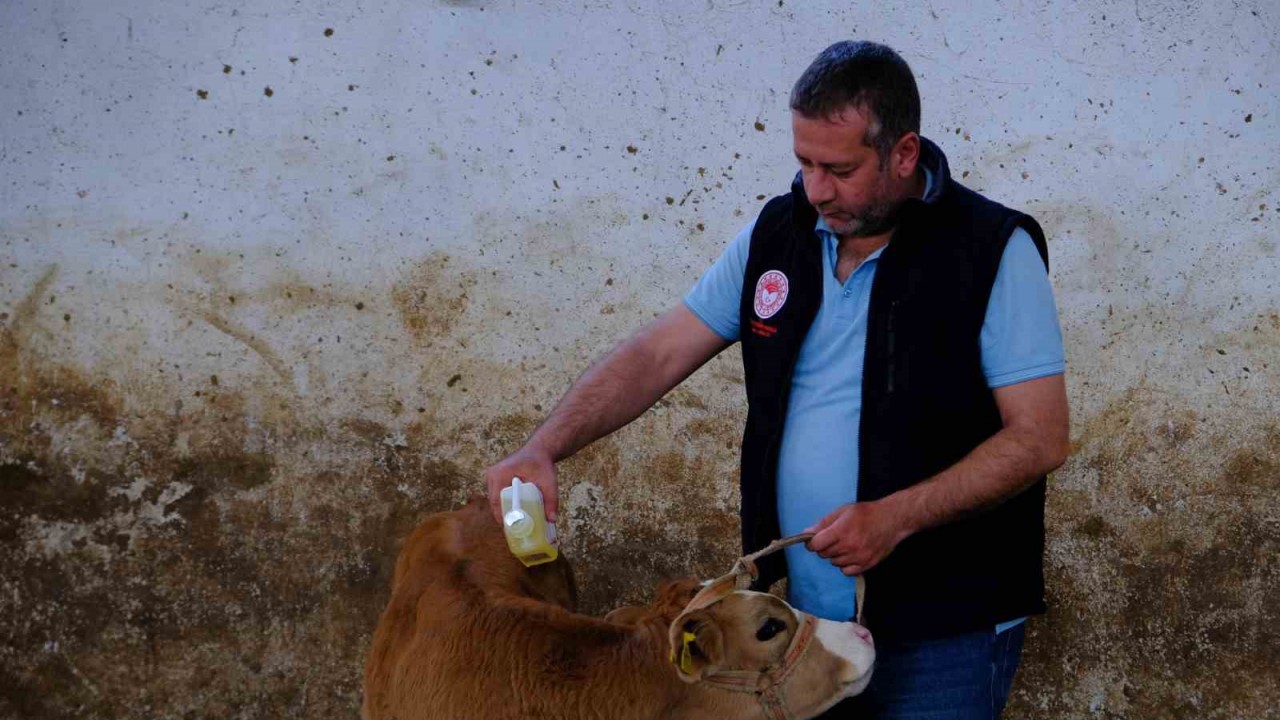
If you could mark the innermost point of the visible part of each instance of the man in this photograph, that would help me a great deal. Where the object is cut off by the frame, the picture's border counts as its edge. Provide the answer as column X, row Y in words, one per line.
column 904, row 374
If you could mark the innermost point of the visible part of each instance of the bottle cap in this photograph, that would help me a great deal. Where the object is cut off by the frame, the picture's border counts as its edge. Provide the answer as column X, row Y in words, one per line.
column 516, row 519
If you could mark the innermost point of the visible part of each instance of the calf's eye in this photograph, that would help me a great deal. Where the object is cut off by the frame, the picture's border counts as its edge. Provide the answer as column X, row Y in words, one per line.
column 769, row 629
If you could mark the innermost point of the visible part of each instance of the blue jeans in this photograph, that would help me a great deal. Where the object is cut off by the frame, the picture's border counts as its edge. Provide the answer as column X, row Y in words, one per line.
column 965, row 677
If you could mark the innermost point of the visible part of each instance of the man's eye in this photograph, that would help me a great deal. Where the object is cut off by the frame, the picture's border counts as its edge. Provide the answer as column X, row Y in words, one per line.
column 769, row 629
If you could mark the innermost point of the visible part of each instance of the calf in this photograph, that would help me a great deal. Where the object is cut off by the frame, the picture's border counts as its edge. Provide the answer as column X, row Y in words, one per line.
column 471, row 633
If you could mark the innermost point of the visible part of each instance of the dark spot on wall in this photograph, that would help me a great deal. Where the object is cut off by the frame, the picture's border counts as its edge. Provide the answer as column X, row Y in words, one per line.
column 432, row 296
column 759, row 126
column 37, row 695
column 226, row 69
column 367, row 430
column 238, row 470
column 1248, row 118
column 328, row 32
column 1254, row 470
column 359, row 305
column 454, row 381
column 30, row 493
column 202, row 94
column 293, row 59
column 1094, row 527
column 268, row 91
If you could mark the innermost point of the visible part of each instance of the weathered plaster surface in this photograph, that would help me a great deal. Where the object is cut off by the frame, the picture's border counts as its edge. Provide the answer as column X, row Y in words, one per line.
column 248, row 339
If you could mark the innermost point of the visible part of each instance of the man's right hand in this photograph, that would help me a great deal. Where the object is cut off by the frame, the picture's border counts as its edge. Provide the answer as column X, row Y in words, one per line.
column 530, row 465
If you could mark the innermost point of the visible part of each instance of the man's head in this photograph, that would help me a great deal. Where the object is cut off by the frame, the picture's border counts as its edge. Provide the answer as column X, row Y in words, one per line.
column 856, row 121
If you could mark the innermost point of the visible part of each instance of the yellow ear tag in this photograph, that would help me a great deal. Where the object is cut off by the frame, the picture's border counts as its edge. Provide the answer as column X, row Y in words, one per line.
column 686, row 658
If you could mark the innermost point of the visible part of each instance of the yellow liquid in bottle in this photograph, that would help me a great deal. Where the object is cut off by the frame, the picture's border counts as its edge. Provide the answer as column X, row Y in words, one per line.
column 527, row 538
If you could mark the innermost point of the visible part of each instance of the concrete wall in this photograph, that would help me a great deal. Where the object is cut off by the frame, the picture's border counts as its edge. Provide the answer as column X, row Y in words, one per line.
column 278, row 278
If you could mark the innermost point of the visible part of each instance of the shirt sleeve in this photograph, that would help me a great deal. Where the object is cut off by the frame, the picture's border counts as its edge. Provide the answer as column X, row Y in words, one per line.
column 717, row 296
column 1021, row 339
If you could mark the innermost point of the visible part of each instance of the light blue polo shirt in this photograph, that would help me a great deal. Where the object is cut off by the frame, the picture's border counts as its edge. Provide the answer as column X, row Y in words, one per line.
column 818, row 459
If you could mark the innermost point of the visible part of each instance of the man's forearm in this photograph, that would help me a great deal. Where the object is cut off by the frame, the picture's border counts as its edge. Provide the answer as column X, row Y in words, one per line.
column 997, row 470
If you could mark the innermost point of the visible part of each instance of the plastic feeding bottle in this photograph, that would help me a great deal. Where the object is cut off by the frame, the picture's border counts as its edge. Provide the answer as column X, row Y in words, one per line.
column 524, row 522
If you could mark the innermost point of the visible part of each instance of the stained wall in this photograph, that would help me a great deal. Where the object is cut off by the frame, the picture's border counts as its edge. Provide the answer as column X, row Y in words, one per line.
column 277, row 279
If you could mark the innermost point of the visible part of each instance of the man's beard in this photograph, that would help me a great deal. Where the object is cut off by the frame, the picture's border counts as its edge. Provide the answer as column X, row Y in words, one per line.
column 877, row 219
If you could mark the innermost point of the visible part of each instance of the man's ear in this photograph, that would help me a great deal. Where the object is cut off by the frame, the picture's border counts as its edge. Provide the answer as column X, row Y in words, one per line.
column 697, row 645
column 905, row 155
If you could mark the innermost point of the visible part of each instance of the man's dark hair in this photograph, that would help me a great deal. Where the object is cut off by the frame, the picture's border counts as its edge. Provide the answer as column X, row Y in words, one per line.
column 863, row 75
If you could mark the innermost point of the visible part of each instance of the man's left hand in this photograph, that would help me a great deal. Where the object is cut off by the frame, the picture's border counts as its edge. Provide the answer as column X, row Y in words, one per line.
column 856, row 537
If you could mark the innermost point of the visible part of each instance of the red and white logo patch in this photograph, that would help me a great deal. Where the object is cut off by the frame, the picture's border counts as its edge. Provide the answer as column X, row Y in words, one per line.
column 771, row 293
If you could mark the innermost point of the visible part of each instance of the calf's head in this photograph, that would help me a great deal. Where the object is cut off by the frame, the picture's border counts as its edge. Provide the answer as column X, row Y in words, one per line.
column 755, row 642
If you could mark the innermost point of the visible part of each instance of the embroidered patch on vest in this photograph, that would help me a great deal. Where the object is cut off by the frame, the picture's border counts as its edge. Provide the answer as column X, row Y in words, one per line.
column 771, row 294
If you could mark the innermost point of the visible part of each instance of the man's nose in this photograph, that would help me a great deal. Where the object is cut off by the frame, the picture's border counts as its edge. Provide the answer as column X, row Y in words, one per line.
column 818, row 186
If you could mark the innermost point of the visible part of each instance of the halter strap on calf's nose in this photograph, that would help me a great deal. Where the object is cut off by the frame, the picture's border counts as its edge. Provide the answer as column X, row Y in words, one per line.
column 766, row 685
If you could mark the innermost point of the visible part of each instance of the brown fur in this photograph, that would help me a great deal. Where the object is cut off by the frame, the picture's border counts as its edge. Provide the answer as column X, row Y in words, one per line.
column 469, row 633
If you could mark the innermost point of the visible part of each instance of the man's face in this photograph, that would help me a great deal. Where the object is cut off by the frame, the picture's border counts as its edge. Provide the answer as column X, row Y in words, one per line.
column 843, row 176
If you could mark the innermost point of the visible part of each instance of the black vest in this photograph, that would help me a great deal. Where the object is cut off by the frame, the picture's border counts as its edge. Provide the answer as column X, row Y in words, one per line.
column 925, row 399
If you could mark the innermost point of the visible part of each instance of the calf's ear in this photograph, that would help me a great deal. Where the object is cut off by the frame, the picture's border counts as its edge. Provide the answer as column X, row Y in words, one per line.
column 697, row 645
column 674, row 595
